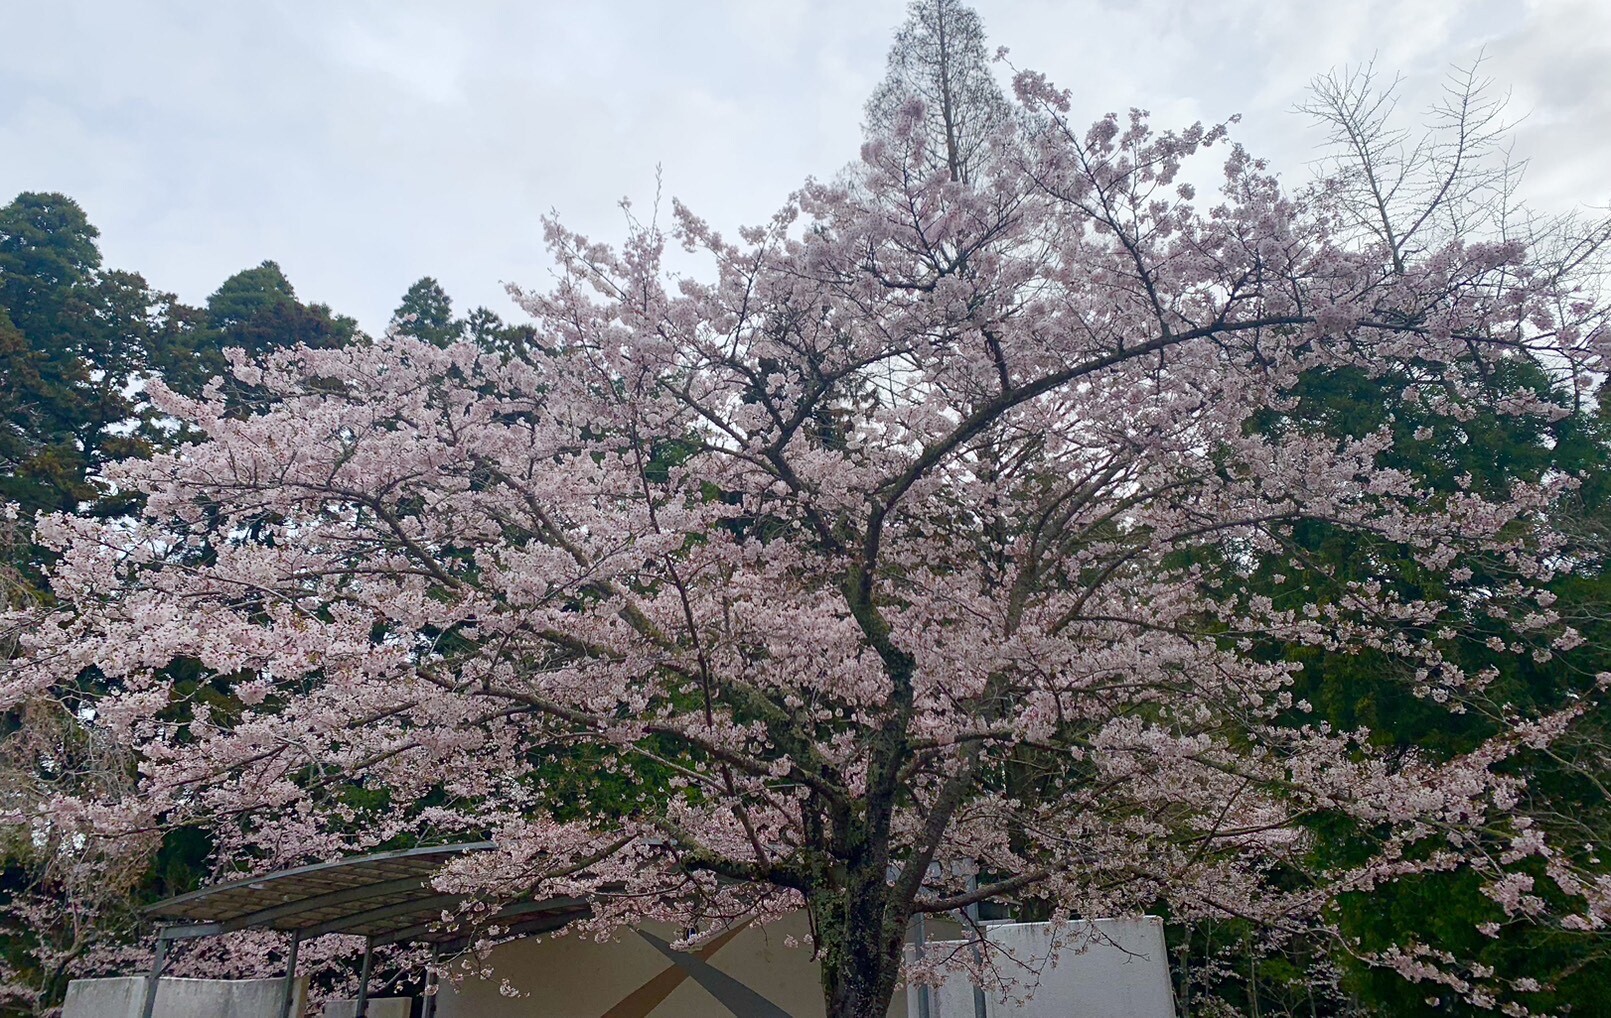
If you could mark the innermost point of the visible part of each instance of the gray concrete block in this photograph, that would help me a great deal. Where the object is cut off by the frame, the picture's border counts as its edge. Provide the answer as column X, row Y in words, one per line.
column 124, row 996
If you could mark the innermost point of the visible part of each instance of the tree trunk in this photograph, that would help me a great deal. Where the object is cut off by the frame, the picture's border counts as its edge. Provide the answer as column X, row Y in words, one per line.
column 861, row 952
column 861, row 985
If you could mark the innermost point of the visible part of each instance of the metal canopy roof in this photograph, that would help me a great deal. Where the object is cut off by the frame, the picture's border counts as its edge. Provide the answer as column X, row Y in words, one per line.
column 386, row 897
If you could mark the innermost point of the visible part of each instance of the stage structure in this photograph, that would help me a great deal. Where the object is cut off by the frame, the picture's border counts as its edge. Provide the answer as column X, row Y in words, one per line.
column 1109, row 968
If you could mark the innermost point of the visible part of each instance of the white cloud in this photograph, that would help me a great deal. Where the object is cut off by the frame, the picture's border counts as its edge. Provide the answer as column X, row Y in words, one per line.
column 1558, row 64
column 365, row 143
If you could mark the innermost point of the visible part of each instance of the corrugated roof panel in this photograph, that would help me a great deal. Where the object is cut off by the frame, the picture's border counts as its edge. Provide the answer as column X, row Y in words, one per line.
column 387, row 896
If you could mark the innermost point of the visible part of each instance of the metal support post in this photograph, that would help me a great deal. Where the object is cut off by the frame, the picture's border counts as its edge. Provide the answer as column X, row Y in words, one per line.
column 919, row 952
column 979, row 1008
column 433, row 984
column 154, row 980
column 362, row 1010
column 290, row 975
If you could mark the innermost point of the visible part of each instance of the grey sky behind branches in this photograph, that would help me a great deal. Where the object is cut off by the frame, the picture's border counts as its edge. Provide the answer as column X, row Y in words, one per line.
column 365, row 143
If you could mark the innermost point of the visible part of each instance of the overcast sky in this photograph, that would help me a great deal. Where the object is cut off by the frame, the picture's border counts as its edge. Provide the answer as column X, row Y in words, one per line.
column 365, row 144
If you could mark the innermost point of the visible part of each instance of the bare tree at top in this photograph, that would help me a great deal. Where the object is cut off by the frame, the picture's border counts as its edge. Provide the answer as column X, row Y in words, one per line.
column 939, row 59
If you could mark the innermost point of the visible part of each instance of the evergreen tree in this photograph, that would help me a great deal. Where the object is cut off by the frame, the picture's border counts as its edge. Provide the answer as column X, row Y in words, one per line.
column 427, row 313
column 25, row 405
column 255, row 310
column 1482, row 451
column 488, row 331
column 47, row 252
column 74, row 341
column 248, row 295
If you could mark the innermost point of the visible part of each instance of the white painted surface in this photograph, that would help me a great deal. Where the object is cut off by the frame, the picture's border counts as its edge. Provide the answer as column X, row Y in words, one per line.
column 1111, row 968
column 124, row 996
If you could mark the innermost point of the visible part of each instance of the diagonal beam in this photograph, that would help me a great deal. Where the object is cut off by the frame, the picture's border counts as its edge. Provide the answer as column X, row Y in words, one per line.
column 729, row 992
column 650, row 995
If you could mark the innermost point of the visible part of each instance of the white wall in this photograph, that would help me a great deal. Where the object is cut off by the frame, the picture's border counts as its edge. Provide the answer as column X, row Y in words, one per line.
column 1112, row 968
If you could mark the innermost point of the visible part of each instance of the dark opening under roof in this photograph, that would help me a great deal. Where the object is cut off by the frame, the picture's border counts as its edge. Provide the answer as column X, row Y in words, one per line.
column 386, row 896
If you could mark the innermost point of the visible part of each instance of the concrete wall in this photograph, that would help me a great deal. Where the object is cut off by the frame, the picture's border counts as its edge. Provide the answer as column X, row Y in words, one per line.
column 1112, row 968
column 123, row 997
column 1117, row 969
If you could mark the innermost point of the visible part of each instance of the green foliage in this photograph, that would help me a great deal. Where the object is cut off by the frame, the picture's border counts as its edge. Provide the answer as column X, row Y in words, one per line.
column 47, row 251
column 489, row 332
column 1484, row 451
column 1443, row 910
column 53, row 410
column 426, row 312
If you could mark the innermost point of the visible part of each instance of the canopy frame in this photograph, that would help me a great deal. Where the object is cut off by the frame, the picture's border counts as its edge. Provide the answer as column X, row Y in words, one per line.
column 385, row 897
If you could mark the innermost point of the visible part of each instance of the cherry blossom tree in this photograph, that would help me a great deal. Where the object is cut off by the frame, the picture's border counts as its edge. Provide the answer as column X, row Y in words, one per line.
column 890, row 565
